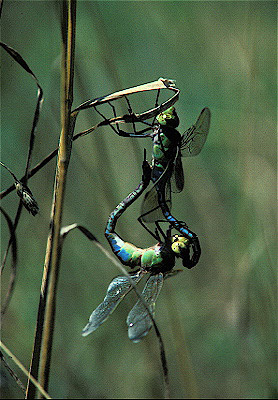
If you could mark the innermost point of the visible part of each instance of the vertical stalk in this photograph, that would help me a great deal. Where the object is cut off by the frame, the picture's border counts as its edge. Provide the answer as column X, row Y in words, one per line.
column 46, row 314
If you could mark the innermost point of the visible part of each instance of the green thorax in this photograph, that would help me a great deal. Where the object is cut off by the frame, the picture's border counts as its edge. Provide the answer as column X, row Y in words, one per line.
column 157, row 259
column 166, row 138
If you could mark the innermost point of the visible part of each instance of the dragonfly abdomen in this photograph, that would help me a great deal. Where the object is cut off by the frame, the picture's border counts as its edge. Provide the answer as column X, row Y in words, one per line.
column 127, row 253
column 151, row 259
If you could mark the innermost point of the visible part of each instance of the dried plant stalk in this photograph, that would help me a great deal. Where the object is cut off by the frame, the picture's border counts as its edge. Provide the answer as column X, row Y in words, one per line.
column 46, row 314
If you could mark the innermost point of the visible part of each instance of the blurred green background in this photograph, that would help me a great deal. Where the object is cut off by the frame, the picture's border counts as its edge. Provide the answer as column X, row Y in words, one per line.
column 217, row 320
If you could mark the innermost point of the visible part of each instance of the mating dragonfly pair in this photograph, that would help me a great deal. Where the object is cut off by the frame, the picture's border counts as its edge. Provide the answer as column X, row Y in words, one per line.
column 166, row 175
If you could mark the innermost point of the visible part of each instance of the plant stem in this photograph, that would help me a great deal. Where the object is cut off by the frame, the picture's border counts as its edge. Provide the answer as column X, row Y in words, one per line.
column 46, row 314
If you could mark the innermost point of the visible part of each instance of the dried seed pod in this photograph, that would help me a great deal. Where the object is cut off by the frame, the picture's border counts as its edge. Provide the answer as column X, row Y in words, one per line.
column 24, row 193
column 27, row 198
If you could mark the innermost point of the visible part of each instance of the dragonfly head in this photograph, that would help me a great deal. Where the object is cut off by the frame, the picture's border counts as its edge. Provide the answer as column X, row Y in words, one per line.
column 168, row 117
column 178, row 243
column 180, row 246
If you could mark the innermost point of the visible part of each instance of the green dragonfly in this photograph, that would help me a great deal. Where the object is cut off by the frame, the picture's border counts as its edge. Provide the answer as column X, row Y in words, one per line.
column 169, row 146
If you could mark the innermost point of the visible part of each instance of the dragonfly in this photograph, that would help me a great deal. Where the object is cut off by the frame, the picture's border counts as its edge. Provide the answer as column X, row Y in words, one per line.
column 167, row 172
column 157, row 261
column 168, row 148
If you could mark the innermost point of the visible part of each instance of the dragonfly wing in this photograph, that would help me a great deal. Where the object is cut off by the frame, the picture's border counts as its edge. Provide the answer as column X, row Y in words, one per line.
column 177, row 179
column 168, row 194
column 116, row 291
column 194, row 138
column 150, row 209
column 138, row 320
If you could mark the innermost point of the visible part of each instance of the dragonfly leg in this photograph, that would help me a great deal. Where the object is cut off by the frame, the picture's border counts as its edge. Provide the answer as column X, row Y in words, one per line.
column 159, row 230
column 131, row 113
column 117, row 130
column 107, row 120
column 154, row 235
column 135, row 119
column 156, row 105
column 157, row 235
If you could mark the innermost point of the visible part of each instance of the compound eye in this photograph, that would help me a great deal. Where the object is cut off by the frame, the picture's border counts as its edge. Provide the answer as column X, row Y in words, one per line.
column 179, row 243
column 161, row 118
column 183, row 240
column 176, row 247
column 177, row 238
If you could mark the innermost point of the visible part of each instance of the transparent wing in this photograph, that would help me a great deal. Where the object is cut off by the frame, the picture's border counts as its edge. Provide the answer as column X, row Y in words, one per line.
column 194, row 138
column 150, row 209
column 116, row 291
column 177, row 179
column 138, row 320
